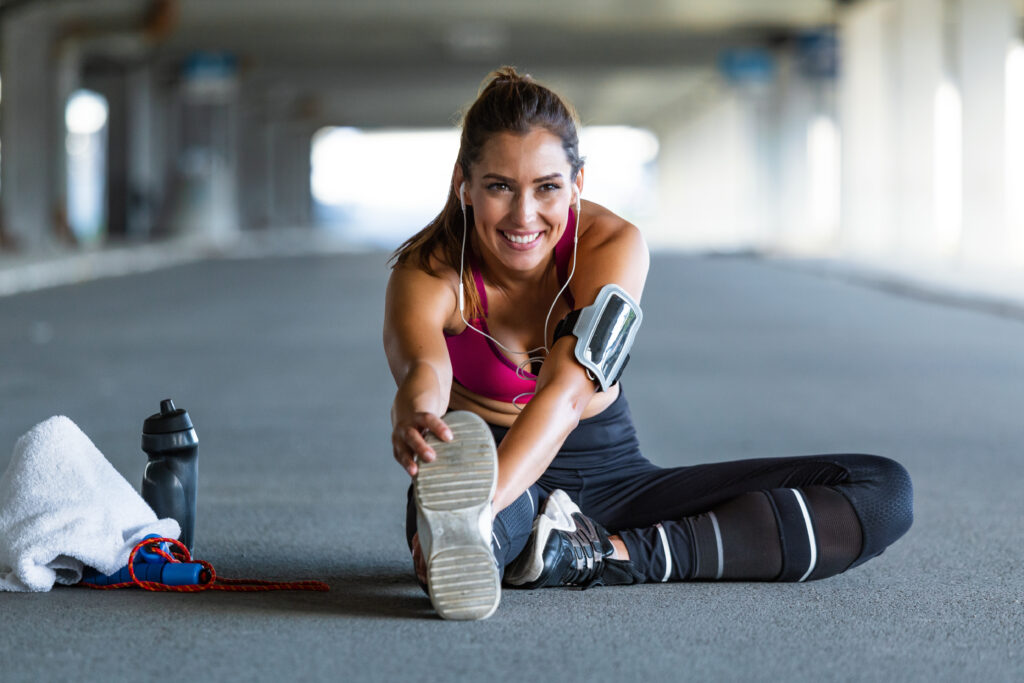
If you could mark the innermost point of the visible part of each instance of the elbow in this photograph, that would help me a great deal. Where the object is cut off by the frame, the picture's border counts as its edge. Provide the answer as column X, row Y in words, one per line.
column 564, row 385
column 578, row 402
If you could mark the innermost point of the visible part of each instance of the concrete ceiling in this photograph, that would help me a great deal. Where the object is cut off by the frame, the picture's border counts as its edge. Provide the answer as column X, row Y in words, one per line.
column 395, row 30
column 442, row 33
column 413, row 62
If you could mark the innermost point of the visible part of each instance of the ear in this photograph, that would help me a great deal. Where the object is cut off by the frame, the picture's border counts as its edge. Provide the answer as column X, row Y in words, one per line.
column 457, row 180
column 578, row 182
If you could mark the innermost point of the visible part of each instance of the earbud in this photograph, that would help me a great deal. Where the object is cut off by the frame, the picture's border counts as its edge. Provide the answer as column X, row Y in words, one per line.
column 462, row 196
column 576, row 192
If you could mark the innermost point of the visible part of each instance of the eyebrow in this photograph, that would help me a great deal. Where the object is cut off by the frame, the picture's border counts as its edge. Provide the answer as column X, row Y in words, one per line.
column 550, row 176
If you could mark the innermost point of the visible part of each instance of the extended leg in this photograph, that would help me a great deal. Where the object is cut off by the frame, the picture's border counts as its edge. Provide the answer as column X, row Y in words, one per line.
column 806, row 518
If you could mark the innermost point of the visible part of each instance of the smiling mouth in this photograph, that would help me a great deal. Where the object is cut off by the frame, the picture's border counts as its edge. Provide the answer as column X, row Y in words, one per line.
column 521, row 239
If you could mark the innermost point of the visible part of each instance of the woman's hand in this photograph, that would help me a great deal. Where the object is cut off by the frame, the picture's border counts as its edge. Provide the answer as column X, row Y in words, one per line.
column 408, row 443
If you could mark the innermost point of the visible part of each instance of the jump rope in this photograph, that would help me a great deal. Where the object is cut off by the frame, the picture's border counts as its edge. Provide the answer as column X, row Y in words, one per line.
column 155, row 549
column 543, row 349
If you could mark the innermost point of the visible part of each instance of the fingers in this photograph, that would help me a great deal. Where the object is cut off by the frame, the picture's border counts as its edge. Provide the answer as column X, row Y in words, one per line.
column 438, row 427
column 406, row 453
column 405, row 458
column 417, row 445
column 408, row 442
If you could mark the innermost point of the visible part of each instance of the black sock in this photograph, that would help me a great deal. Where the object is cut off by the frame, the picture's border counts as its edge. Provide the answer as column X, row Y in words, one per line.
column 512, row 527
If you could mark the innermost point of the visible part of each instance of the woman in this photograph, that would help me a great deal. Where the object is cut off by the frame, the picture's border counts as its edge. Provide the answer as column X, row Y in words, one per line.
column 483, row 326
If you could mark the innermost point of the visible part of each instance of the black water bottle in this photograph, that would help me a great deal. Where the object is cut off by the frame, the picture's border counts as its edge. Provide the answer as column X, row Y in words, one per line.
column 169, row 484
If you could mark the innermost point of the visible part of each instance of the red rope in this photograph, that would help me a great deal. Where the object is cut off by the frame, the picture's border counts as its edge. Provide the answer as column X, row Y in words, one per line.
column 208, row 578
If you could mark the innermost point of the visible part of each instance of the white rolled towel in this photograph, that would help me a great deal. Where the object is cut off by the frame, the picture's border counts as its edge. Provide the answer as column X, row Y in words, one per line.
column 64, row 506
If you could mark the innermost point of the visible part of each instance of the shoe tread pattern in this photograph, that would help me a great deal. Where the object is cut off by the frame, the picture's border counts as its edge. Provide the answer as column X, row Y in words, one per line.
column 464, row 583
column 465, row 471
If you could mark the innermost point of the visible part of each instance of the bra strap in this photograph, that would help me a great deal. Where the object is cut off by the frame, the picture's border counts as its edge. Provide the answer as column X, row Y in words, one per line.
column 563, row 254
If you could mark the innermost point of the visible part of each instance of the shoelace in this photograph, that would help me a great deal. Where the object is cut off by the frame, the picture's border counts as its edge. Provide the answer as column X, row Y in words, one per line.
column 588, row 557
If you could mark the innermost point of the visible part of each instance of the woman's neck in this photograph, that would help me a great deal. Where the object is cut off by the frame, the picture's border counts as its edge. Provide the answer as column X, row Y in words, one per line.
column 517, row 283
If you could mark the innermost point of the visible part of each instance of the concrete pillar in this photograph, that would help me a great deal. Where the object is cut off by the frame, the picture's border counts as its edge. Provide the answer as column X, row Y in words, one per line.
column 805, row 193
column 290, row 196
column 254, row 165
column 708, row 173
column 67, row 79
column 866, row 116
column 279, row 172
column 205, row 202
column 763, row 158
column 302, row 189
column 986, row 29
column 919, row 70
column 146, row 153
column 31, row 146
column 114, row 87
column 803, row 177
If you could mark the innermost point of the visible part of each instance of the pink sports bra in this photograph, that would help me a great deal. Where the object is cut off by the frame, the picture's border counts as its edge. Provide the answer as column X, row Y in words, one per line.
column 478, row 364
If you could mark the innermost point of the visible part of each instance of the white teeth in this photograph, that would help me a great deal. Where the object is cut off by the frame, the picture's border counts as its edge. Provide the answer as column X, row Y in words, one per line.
column 521, row 239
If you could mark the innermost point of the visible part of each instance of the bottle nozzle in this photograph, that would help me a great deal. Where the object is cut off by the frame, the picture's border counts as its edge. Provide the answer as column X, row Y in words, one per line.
column 166, row 406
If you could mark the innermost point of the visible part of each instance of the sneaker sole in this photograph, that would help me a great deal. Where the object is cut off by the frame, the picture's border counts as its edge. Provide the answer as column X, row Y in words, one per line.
column 525, row 572
column 452, row 494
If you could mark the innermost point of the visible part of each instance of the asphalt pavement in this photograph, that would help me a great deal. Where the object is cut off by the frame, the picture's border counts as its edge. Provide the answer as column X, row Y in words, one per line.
column 279, row 362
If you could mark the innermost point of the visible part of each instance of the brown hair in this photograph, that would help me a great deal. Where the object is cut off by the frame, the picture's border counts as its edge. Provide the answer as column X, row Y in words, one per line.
column 509, row 102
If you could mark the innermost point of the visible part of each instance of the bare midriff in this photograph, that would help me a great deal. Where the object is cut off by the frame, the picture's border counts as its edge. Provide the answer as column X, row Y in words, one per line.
column 504, row 414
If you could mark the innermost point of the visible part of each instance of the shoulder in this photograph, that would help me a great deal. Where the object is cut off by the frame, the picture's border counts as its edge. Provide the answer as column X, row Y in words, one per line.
column 613, row 249
column 414, row 291
column 600, row 228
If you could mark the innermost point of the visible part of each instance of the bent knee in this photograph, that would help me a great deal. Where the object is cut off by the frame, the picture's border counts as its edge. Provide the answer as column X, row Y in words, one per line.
column 883, row 496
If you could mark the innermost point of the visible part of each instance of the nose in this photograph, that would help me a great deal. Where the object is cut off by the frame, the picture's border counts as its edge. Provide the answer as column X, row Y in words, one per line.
column 524, row 209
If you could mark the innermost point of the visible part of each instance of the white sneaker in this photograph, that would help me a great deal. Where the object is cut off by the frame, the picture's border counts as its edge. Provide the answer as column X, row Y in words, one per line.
column 453, row 498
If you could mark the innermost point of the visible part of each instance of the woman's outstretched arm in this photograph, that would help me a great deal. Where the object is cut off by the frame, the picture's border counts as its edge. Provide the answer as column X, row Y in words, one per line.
column 416, row 307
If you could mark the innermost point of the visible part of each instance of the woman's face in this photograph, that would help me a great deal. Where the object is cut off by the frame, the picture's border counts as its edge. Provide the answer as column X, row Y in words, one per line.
column 520, row 191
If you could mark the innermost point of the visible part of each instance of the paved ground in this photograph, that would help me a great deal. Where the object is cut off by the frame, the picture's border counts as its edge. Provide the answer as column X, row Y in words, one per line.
column 279, row 362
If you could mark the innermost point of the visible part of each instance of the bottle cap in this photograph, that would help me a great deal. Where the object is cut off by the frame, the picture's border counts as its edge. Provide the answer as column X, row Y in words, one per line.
column 169, row 419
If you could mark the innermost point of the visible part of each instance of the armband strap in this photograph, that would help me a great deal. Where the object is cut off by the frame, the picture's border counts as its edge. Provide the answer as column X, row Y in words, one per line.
column 566, row 324
column 604, row 334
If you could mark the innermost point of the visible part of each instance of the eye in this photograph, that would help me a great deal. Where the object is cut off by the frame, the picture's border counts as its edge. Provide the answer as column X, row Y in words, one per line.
column 498, row 187
column 550, row 187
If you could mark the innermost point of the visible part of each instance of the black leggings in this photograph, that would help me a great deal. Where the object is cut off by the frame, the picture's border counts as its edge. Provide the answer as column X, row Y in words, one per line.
column 763, row 519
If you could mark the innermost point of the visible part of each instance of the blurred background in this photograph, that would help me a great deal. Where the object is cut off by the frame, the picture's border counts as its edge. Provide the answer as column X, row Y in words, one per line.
column 890, row 130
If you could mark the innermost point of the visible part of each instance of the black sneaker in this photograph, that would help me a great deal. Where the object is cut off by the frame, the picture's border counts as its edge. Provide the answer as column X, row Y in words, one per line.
column 565, row 548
